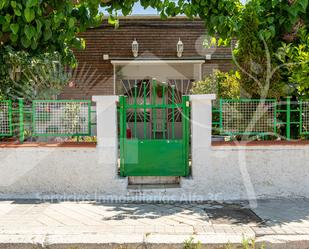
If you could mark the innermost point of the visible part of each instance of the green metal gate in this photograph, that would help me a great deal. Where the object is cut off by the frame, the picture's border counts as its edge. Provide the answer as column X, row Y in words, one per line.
column 159, row 126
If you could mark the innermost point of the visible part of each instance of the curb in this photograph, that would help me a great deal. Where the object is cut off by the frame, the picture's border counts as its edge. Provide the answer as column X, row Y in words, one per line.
column 152, row 241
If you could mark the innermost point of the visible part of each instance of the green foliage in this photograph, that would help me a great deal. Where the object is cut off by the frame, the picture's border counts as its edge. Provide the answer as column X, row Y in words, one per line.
column 90, row 139
column 250, row 53
column 262, row 29
column 24, row 75
column 49, row 26
column 228, row 246
column 46, row 26
column 278, row 18
column 220, row 16
column 190, row 244
column 71, row 119
column 225, row 85
column 295, row 57
column 248, row 244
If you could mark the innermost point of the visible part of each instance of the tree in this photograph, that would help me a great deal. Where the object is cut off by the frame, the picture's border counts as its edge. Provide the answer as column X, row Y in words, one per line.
column 46, row 26
column 51, row 25
column 263, row 27
column 31, row 76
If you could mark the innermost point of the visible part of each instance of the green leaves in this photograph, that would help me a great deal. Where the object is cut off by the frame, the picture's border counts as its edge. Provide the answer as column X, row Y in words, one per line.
column 31, row 3
column 13, row 4
column 38, row 25
column 225, row 85
column 295, row 57
column 14, row 37
column 270, row 19
column 8, row 18
column 2, row 4
column 29, row 14
column 71, row 22
column 14, row 27
column 17, row 12
column 47, row 34
column 303, row 4
column 16, row 7
column 25, row 42
column 29, row 31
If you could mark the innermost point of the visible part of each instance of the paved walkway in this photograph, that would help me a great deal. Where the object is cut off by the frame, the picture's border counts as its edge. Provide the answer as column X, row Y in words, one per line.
column 88, row 222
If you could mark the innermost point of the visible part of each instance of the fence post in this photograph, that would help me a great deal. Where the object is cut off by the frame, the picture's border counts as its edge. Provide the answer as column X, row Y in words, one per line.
column 185, row 131
column 201, row 125
column 107, row 143
column 21, row 120
column 123, row 128
column 288, row 118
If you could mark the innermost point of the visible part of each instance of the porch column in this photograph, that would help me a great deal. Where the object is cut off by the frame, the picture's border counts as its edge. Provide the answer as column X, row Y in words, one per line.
column 201, row 125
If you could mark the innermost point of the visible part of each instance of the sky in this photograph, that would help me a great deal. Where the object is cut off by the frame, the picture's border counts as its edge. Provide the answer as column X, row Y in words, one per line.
column 139, row 10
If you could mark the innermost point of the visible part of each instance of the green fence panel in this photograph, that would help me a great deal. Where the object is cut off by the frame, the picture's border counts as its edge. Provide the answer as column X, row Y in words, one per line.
column 304, row 117
column 247, row 116
column 61, row 117
column 6, row 118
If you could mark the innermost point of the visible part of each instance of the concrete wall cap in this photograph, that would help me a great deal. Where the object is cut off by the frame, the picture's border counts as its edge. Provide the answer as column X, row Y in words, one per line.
column 99, row 98
column 203, row 97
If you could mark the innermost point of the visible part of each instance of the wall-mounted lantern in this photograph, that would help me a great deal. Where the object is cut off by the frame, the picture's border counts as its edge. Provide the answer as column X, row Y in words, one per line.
column 135, row 48
column 179, row 48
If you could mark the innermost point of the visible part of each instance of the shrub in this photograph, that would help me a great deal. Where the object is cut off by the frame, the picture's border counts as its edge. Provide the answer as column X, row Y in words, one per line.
column 224, row 84
column 295, row 57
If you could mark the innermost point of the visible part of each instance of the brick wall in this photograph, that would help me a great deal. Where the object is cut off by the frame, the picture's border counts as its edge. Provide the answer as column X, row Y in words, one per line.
column 156, row 38
column 222, row 65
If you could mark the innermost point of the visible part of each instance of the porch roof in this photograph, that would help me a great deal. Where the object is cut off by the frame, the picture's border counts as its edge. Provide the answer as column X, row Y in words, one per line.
column 148, row 60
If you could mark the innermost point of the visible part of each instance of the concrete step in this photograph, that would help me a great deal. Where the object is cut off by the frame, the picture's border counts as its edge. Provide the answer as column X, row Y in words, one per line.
column 153, row 180
column 152, row 186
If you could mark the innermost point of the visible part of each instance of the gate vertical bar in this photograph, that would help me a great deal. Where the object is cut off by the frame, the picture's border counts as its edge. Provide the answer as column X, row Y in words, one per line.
column 173, row 111
column 21, row 120
column 135, row 110
column 144, row 93
column 154, row 110
column 122, row 120
column 185, row 132
column 163, row 110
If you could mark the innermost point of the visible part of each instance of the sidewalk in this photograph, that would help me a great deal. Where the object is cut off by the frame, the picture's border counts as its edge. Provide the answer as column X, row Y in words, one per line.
column 160, row 225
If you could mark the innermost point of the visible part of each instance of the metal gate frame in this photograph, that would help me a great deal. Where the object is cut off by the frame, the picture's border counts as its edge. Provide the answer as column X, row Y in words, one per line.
column 153, row 156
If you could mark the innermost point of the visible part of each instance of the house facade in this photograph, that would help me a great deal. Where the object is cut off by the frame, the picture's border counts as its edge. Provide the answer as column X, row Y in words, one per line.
column 108, row 65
